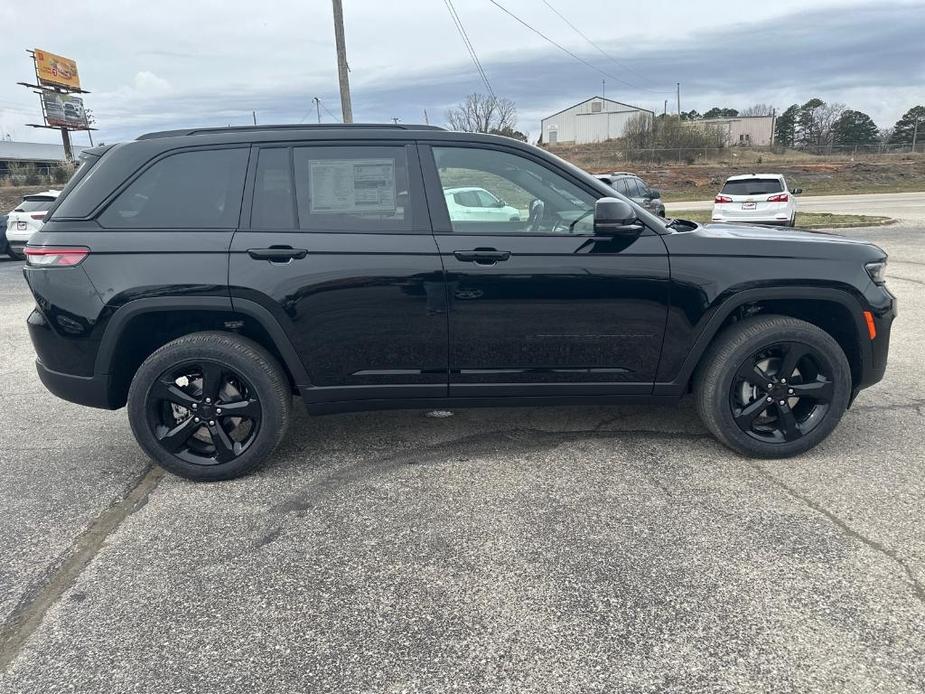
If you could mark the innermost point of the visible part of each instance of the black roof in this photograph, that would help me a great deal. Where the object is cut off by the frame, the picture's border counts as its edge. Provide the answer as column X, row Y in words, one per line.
column 286, row 127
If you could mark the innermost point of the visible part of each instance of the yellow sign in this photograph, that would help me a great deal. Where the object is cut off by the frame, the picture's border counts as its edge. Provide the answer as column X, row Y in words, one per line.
column 53, row 69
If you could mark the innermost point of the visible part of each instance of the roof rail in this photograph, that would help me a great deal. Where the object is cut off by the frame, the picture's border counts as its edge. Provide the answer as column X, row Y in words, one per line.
column 290, row 126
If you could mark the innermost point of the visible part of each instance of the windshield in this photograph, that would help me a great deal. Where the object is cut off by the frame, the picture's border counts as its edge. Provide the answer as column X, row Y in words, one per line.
column 753, row 186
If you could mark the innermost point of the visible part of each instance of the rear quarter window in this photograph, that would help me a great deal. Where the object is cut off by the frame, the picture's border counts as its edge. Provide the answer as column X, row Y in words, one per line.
column 198, row 189
column 753, row 186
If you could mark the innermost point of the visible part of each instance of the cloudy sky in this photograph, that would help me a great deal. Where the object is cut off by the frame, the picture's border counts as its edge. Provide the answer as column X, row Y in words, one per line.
column 173, row 63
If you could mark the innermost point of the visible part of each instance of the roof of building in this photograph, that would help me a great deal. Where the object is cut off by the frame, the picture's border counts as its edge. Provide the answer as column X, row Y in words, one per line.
column 629, row 107
column 33, row 151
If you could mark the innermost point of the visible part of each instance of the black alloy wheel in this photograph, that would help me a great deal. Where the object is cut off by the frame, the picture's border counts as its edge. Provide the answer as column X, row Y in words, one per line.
column 203, row 412
column 782, row 392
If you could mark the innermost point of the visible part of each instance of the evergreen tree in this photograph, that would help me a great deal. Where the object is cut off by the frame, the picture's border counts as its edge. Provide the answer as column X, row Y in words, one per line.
column 785, row 128
column 855, row 128
column 905, row 126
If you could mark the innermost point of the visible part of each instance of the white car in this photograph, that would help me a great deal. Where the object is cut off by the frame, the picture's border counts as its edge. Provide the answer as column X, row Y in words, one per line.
column 26, row 219
column 756, row 199
column 478, row 205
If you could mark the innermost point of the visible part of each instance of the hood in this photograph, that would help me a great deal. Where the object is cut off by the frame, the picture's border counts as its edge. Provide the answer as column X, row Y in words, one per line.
column 766, row 233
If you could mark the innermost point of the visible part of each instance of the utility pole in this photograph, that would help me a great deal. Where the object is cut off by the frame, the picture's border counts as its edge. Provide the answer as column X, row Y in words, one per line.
column 426, row 121
column 395, row 120
column 915, row 133
column 254, row 114
column 318, row 108
column 603, row 89
column 679, row 99
column 666, row 107
column 342, row 69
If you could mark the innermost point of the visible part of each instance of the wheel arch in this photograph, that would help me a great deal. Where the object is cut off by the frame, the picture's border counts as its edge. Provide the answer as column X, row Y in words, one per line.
column 836, row 311
column 139, row 327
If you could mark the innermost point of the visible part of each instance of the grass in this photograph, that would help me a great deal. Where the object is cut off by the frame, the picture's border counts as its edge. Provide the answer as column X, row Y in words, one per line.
column 805, row 220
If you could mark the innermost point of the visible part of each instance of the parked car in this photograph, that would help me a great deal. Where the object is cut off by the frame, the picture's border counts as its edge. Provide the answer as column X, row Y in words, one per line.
column 26, row 219
column 478, row 205
column 202, row 277
column 758, row 199
column 636, row 190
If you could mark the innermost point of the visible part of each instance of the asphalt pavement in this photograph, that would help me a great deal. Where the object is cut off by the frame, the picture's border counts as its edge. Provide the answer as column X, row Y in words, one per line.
column 502, row 550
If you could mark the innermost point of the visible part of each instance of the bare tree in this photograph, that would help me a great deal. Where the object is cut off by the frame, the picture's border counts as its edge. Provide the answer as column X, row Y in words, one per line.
column 758, row 110
column 479, row 113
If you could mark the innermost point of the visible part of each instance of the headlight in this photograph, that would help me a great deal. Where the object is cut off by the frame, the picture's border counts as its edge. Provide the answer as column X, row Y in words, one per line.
column 877, row 271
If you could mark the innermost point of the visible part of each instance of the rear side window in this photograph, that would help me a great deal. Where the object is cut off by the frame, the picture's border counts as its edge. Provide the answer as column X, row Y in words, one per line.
column 197, row 190
column 753, row 186
column 353, row 188
column 35, row 203
column 632, row 188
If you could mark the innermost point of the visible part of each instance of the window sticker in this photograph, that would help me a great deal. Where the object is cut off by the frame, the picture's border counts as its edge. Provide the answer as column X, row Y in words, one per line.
column 352, row 186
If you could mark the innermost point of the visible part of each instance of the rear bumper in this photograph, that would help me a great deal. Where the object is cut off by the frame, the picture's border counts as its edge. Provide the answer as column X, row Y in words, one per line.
column 92, row 391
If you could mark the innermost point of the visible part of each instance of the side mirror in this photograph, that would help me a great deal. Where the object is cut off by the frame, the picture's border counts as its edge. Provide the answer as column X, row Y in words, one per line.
column 796, row 191
column 615, row 217
column 654, row 194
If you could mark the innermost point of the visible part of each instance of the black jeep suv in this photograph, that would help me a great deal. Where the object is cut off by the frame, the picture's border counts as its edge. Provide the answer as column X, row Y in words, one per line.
column 203, row 277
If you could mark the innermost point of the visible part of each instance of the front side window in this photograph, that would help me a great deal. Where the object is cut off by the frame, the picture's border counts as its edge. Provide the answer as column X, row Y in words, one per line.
column 514, row 193
column 189, row 190
column 353, row 188
column 632, row 187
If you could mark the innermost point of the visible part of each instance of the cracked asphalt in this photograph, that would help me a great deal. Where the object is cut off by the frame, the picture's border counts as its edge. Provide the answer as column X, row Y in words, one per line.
column 504, row 550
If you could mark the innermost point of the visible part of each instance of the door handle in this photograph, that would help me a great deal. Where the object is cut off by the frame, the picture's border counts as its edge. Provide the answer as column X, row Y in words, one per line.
column 277, row 254
column 482, row 256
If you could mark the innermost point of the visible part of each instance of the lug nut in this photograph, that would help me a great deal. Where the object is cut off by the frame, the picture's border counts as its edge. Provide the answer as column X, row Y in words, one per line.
column 211, row 422
column 783, row 380
column 195, row 419
column 208, row 399
column 790, row 390
column 218, row 410
column 783, row 402
column 770, row 399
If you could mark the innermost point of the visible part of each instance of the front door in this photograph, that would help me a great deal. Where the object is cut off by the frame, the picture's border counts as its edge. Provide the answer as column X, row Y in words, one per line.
column 537, row 304
column 337, row 244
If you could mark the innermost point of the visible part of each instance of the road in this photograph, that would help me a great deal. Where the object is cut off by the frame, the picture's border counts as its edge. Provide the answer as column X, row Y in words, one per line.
column 505, row 550
column 906, row 206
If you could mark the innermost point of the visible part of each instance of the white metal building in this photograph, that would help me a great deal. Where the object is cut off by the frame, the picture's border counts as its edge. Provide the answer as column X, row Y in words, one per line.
column 592, row 120
column 747, row 131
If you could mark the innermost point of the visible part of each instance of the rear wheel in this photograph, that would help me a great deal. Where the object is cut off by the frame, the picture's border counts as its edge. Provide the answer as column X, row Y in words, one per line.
column 209, row 406
column 773, row 387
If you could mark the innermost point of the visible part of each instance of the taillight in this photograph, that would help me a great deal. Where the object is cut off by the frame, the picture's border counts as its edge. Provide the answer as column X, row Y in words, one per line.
column 720, row 199
column 55, row 256
column 38, row 215
column 782, row 197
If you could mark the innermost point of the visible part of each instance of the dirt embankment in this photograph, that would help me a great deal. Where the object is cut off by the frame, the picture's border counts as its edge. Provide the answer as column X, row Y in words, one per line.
column 889, row 173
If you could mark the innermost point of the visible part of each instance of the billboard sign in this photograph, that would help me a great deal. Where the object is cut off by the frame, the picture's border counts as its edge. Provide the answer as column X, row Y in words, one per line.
column 64, row 110
column 56, row 70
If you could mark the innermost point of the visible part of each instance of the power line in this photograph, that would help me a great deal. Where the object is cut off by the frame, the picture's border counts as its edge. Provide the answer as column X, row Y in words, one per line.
column 560, row 46
column 602, row 51
column 469, row 47
column 328, row 111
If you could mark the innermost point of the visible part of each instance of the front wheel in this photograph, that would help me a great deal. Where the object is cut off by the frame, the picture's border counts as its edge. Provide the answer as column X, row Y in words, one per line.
column 773, row 387
column 209, row 406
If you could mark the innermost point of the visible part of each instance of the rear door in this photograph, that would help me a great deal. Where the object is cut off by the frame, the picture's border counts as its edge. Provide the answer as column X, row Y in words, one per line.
column 337, row 245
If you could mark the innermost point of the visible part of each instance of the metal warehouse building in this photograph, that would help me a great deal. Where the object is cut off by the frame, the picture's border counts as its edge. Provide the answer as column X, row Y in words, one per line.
column 592, row 120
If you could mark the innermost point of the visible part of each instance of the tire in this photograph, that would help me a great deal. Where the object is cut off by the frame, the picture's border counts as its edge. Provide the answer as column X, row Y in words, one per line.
column 740, row 379
column 250, row 381
column 793, row 221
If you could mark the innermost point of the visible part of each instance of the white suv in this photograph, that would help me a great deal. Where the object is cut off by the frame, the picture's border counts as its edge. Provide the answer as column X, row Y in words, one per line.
column 758, row 199
column 478, row 205
column 26, row 219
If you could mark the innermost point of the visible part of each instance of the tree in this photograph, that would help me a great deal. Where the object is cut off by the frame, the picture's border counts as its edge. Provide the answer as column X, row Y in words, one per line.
column 690, row 115
column 785, row 129
column 905, row 126
column 854, row 128
column 815, row 121
column 758, row 110
column 478, row 113
column 508, row 131
column 717, row 112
